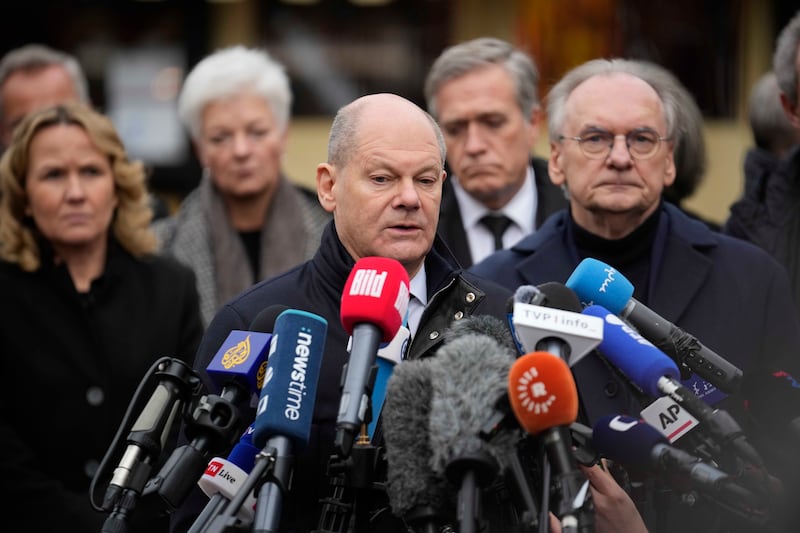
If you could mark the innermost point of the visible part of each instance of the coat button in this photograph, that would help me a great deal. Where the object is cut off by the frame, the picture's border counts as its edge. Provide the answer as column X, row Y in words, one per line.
column 611, row 389
column 459, row 315
column 95, row 396
column 433, row 335
column 470, row 297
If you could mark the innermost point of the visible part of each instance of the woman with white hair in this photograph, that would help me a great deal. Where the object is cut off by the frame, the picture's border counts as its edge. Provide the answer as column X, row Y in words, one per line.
column 245, row 221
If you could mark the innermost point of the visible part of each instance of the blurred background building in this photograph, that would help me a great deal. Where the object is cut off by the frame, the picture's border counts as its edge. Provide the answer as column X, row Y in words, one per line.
column 137, row 52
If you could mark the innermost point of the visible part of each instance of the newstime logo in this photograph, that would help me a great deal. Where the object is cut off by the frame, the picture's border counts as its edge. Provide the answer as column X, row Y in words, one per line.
column 297, row 387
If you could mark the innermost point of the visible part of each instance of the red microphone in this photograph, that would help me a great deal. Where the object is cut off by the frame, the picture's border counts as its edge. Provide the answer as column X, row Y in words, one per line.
column 374, row 305
column 544, row 399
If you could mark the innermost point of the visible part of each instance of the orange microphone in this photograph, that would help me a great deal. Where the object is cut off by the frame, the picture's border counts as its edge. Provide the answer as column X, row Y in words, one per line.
column 544, row 398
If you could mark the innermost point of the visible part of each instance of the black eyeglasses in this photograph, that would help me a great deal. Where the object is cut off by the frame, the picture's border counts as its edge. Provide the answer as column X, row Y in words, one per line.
column 642, row 143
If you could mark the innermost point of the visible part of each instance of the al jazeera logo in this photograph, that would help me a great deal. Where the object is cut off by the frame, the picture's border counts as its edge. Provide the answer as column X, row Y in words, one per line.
column 237, row 354
column 532, row 393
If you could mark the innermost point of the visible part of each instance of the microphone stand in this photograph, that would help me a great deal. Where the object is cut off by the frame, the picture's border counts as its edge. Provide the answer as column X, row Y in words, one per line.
column 145, row 441
column 574, row 504
column 347, row 477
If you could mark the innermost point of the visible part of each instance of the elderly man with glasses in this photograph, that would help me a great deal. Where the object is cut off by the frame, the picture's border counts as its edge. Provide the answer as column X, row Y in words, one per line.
column 612, row 148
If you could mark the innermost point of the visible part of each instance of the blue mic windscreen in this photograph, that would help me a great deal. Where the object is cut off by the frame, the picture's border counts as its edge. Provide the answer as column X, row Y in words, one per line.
column 634, row 355
column 626, row 439
column 598, row 283
column 388, row 356
column 286, row 405
column 243, row 453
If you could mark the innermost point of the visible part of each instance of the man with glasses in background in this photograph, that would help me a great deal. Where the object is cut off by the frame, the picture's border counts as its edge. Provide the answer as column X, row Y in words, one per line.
column 612, row 147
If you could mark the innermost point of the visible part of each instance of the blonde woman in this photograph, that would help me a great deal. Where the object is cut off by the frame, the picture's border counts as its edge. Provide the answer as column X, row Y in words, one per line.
column 86, row 309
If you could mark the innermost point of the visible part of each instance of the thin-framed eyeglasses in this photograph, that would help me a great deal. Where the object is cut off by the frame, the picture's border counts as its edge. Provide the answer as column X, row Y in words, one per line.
column 642, row 143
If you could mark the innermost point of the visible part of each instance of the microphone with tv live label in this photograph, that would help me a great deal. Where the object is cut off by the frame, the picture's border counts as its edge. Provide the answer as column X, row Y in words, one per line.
column 555, row 324
column 222, row 479
column 634, row 442
column 596, row 282
column 374, row 304
column 470, row 376
column 655, row 373
column 544, row 398
column 237, row 369
column 283, row 417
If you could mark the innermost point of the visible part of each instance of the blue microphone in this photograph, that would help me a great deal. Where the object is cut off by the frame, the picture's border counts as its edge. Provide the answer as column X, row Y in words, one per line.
column 286, row 407
column 389, row 356
column 654, row 372
column 598, row 283
column 222, row 479
column 633, row 442
column 635, row 356
column 237, row 369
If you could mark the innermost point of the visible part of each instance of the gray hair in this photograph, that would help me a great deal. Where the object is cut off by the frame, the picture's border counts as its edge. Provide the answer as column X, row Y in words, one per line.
column 32, row 57
column 784, row 60
column 557, row 97
column 468, row 56
column 227, row 72
column 771, row 128
column 690, row 145
column 344, row 130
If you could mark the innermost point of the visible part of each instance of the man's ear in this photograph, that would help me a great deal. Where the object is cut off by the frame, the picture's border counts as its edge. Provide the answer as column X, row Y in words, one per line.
column 534, row 126
column 326, row 179
column 791, row 111
column 669, row 170
column 554, row 163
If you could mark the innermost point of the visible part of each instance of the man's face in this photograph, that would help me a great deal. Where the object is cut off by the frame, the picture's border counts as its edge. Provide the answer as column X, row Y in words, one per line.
column 489, row 139
column 613, row 194
column 27, row 91
column 385, row 199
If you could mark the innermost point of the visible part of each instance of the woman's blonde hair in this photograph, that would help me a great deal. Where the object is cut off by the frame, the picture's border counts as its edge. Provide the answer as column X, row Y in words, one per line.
column 131, row 223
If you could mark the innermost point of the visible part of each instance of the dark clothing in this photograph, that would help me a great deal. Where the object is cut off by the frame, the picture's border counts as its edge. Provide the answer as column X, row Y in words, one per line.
column 316, row 286
column 70, row 364
column 451, row 227
column 730, row 295
column 768, row 214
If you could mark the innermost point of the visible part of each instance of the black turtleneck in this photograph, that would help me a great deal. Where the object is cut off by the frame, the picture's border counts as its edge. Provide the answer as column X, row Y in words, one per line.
column 630, row 254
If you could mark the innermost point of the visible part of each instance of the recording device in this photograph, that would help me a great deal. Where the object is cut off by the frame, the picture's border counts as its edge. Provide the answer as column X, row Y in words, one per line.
column 222, row 479
column 151, row 429
column 283, row 418
column 633, row 442
column 389, row 356
column 215, row 421
column 598, row 283
column 544, row 398
column 176, row 382
column 556, row 324
column 470, row 376
column 655, row 373
column 416, row 494
column 374, row 305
